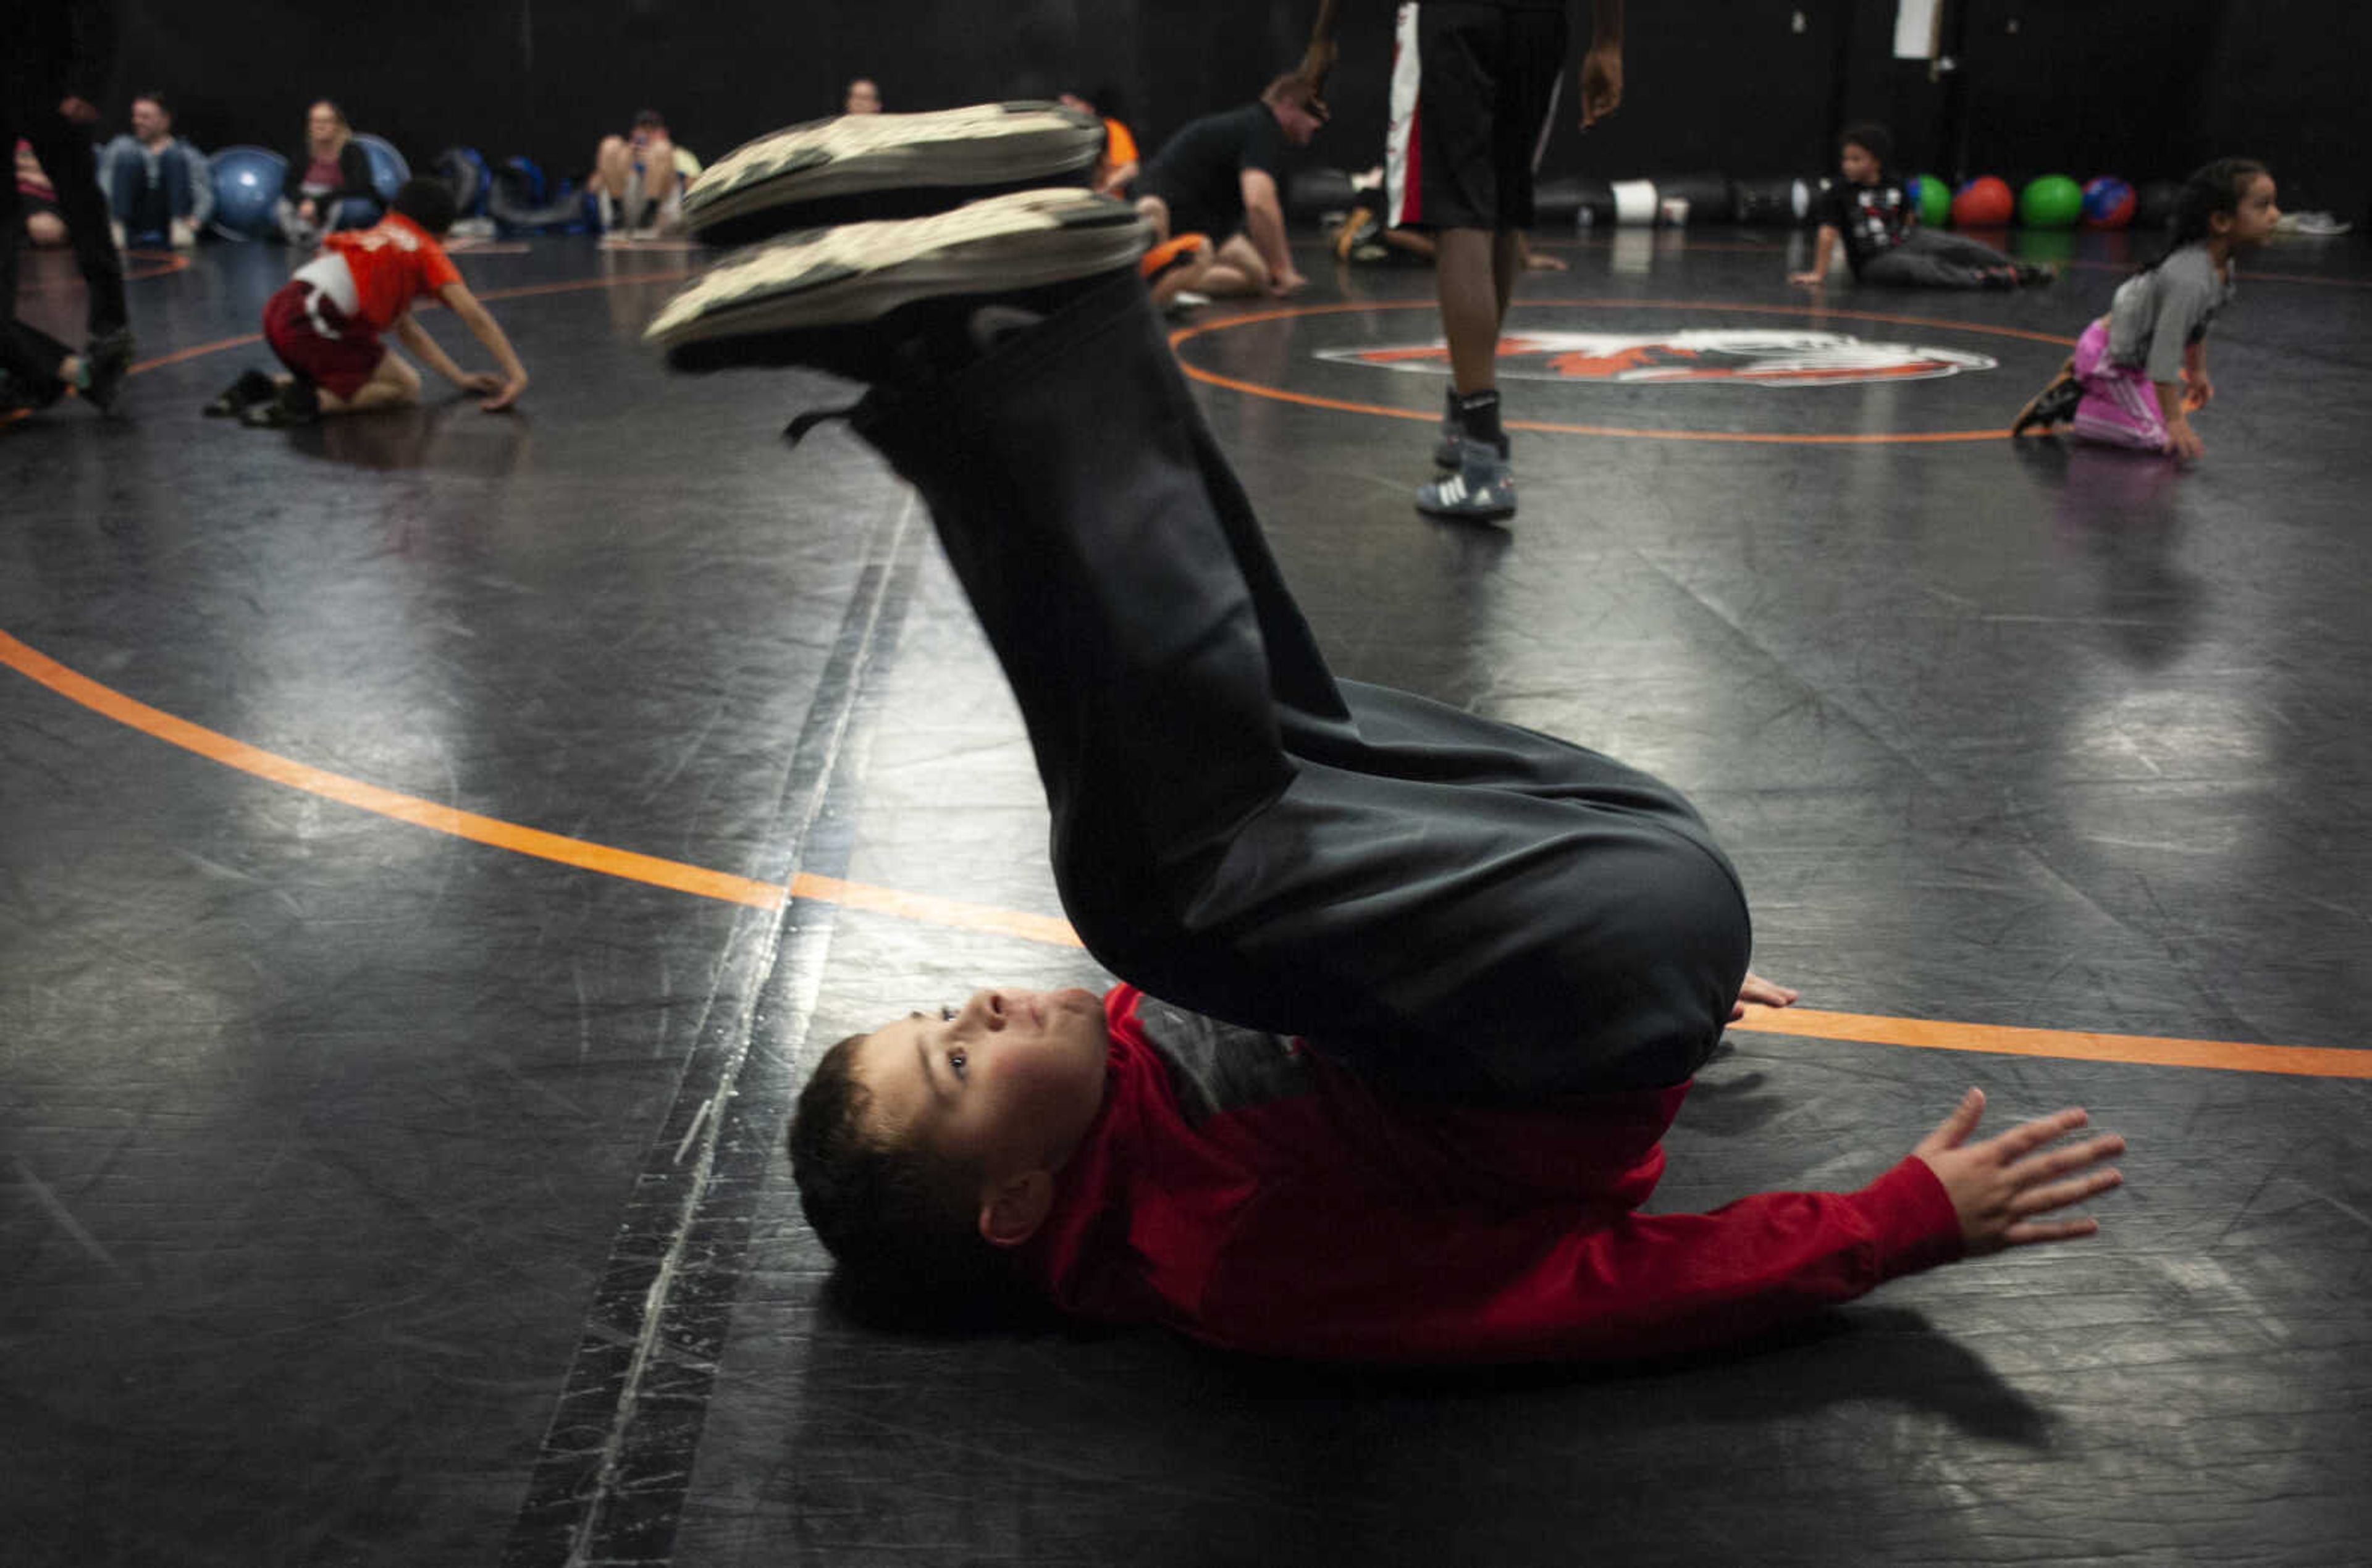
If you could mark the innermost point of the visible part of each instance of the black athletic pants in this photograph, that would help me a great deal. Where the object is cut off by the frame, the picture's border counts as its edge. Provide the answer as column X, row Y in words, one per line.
column 1453, row 905
column 64, row 149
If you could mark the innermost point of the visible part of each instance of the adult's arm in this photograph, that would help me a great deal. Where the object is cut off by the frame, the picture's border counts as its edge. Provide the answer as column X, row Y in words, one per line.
column 1318, row 60
column 1602, row 68
column 202, row 183
column 1264, row 226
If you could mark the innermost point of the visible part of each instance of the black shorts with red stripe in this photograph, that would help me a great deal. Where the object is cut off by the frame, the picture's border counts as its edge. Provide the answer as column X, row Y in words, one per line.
column 1474, row 88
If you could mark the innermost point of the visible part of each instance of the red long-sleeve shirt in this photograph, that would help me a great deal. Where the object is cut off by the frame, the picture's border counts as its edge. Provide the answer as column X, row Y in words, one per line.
column 1247, row 1191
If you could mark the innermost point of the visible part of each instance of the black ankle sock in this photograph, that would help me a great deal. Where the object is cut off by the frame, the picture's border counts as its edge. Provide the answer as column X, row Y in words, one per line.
column 1478, row 413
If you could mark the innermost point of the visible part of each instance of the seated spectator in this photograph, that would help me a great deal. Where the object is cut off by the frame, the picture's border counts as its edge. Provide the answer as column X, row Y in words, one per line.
column 862, row 97
column 37, row 199
column 1116, row 170
column 638, row 179
column 328, row 182
column 1219, row 176
column 157, row 185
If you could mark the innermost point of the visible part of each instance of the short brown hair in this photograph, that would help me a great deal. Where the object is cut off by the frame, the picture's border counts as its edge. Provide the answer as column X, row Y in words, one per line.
column 1292, row 90
column 902, row 1221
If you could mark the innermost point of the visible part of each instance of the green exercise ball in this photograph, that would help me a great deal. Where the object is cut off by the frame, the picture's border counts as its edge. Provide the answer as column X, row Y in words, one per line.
column 1933, row 198
column 2053, row 201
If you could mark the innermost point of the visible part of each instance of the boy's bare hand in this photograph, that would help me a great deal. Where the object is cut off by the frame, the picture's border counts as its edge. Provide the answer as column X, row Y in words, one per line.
column 506, row 394
column 2000, row 1187
column 484, row 383
column 1760, row 991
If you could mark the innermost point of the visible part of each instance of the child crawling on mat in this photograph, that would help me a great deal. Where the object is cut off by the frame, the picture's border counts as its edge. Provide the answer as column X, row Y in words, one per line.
column 325, row 322
column 1409, row 997
column 2139, row 373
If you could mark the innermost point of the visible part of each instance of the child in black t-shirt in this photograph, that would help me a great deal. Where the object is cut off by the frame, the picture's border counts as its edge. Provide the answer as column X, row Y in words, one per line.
column 1874, row 214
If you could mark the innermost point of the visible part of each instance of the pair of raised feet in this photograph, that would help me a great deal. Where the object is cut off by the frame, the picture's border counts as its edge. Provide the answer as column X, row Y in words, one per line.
column 871, row 242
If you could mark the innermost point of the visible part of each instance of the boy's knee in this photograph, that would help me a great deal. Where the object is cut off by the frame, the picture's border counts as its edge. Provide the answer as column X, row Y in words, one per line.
column 1155, row 210
column 400, row 377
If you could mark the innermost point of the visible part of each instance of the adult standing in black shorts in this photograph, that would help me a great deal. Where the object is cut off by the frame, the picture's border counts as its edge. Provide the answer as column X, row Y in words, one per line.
column 1473, row 86
column 1220, row 176
column 52, row 76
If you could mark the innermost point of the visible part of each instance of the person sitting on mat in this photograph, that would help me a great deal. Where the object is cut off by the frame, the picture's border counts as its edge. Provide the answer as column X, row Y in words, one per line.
column 2140, row 372
column 328, row 184
column 159, row 186
column 1875, row 217
column 1220, row 176
column 325, row 322
column 638, row 179
column 1409, row 996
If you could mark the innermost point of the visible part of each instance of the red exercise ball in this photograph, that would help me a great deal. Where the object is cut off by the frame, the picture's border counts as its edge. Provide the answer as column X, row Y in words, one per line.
column 1983, row 203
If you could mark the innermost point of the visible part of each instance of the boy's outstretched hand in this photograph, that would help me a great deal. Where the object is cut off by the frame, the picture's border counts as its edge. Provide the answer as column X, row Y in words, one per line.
column 1758, row 990
column 498, row 393
column 2000, row 1187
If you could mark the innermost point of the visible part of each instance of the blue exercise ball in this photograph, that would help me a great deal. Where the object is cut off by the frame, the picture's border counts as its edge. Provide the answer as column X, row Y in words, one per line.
column 389, row 172
column 247, row 192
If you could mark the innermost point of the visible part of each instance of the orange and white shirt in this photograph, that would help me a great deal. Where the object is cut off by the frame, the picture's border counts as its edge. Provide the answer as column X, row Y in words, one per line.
column 374, row 274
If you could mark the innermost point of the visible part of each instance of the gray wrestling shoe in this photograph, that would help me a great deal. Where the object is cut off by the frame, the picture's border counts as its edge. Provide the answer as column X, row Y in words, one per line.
column 822, row 296
column 1481, row 490
column 861, row 167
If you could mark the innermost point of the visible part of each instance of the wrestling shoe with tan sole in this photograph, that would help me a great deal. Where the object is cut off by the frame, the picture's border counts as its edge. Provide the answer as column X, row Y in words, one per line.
column 847, row 298
column 861, row 167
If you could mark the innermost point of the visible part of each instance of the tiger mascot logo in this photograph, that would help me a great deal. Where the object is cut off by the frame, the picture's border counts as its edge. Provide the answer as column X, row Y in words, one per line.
column 1751, row 359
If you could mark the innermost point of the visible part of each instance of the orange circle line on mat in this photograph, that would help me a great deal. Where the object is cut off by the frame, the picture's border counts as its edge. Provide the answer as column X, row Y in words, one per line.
column 2064, row 1044
column 1853, row 438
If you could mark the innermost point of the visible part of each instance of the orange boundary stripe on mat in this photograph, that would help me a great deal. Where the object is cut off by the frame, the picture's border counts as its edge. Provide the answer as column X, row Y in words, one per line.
column 1761, row 437
column 409, row 808
column 2077, row 1045
column 1860, row 1028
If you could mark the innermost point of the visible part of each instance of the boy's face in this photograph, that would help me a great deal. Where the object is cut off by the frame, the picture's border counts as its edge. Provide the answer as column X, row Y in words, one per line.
column 149, row 122
column 1859, row 164
column 1298, row 122
column 2253, row 223
column 1009, row 1083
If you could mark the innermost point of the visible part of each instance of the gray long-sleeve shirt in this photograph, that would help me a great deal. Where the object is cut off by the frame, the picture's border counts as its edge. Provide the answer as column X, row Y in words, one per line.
column 2159, row 313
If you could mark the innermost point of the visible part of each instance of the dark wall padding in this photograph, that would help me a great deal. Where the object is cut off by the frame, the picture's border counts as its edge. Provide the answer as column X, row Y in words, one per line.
column 2141, row 88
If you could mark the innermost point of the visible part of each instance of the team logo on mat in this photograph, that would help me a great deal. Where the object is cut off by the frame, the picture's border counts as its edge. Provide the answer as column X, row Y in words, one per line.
column 1755, row 358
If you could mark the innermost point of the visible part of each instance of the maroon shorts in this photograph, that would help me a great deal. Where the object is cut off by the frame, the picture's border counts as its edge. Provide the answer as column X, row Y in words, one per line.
column 319, row 341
